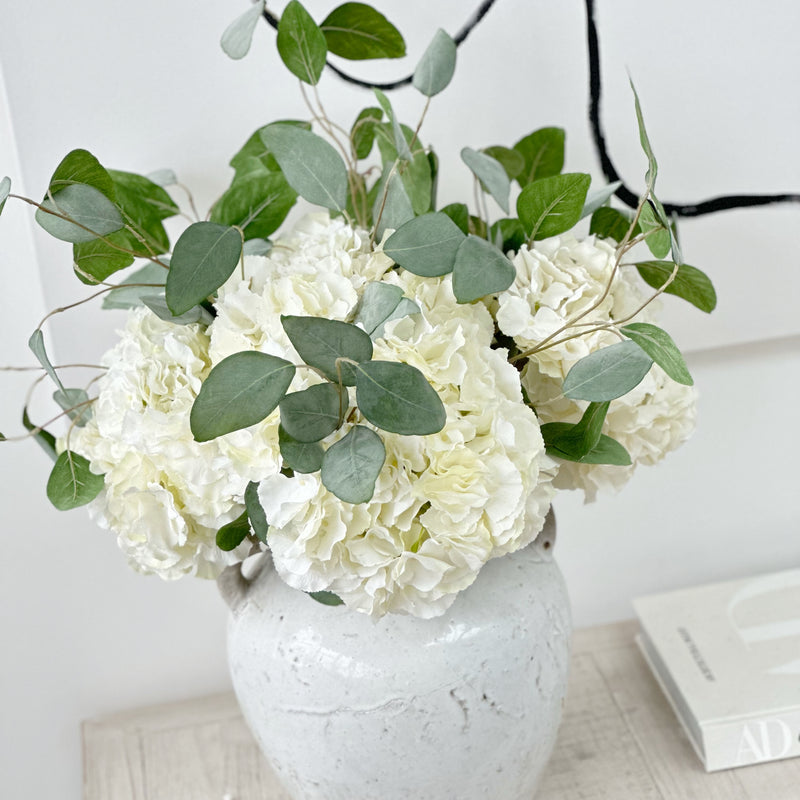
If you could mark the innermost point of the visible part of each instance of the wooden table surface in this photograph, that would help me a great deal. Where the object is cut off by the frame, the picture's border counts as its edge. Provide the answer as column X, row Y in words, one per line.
column 619, row 741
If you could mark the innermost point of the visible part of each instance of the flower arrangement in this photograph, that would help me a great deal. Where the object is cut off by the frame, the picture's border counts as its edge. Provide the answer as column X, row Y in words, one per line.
column 388, row 394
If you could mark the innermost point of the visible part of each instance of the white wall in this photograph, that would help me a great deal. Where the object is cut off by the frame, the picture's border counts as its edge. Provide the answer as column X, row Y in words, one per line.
column 145, row 86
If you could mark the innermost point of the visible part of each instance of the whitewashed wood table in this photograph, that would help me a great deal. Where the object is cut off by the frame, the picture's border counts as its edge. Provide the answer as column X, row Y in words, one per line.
column 619, row 741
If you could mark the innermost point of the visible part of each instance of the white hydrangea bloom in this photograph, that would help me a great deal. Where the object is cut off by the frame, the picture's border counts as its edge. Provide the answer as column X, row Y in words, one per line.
column 166, row 494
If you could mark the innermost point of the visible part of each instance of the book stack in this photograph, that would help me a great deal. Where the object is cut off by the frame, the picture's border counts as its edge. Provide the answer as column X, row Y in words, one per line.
column 727, row 656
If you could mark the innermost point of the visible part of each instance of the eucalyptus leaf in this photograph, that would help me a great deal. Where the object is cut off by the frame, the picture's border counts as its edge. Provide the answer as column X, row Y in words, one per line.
column 400, row 143
column 144, row 204
column 404, row 308
column 573, row 442
column 551, row 206
column 238, row 36
column 597, row 198
column 72, row 483
column 76, row 403
column 392, row 205
column 491, row 174
column 43, row 438
column 257, row 203
column 163, row 177
column 79, row 213
column 81, row 167
column 512, row 160
column 362, row 134
column 240, row 391
column 36, row 344
column 205, row 256
column 508, row 235
column 436, row 67
column 607, row 373
column 97, row 260
column 129, row 293
column 299, row 456
column 658, row 238
column 658, row 344
column 418, row 182
column 255, row 512
column 254, row 156
column 459, row 213
column 480, row 269
column 608, row 223
column 158, row 305
column 357, row 31
column 257, row 247
column 326, row 598
column 543, row 154
column 301, row 44
column 320, row 342
column 426, row 245
column 606, row 451
column 652, row 164
column 352, row 465
column 5, row 190
column 397, row 398
column 230, row 536
column 375, row 305
column 690, row 283
column 313, row 168
column 314, row 413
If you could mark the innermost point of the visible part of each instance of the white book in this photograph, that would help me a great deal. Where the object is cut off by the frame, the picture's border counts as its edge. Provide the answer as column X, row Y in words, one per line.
column 727, row 656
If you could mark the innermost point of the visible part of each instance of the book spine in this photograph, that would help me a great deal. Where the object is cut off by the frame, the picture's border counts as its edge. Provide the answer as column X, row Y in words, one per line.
column 751, row 740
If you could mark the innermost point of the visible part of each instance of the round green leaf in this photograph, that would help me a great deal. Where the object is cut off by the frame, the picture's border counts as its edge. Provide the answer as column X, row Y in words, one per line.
column 491, row 174
column 658, row 239
column 204, row 257
column 238, row 35
column 362, row 134
column 512, row 160
column 690, row 283
column 301, row 44
column 608, row 223
column 658, row 344
column 303, row 457
column 76, row 403
column 550, row 206
column 437, row 65
column 426, row 245
column 314, row 413
column 605, row 451
column 313, row 168
column 80, row 166
column 543, row 154
column 377, row 303
column 230, row 536
column 240, row 391
column 480, row 269
column 255, row 512
column 607, row 373
column 327, row 598
column 320, row 342
column 396, row 397
column 352, row 465
column 72, row 483
column 84, row 205
column 357, row 31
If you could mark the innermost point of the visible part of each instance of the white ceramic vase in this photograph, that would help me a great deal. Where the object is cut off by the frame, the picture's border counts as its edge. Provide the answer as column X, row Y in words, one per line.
column 460, row 707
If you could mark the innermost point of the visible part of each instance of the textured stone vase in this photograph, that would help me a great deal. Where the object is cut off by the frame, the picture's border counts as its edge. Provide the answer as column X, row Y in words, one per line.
column 460, row 707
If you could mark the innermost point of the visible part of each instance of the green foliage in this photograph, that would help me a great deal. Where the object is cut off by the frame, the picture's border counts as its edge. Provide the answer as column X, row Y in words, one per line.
column 130, row 295
column 351, row 466
column 573, row 442
column 230, row 536
column 79, row 213
column 608, row 223
column 37, row 347
column 658, row 236
column 607, row 373
column 72, row 483
column 144, row 204
column 392, row 204
column 314, row 413
column 597, row 198
column 512, row 160
column 311, row 166
column 321, row 342
column 437, row 65
column 543, row 155
column 491, row 174
column 380, row 304
column 240, row 391
column 658, row 344
column 76, row 403
column 158, row 305
column 238, row 35
column 163, row 177
column 326, row 598
column 459, row 213
column 396, row 397
column 255, row 512
column 205, row 256
column 508, row 234
column 362, row 134
column 43, row 438
column 357, row 31
column 426, row 245
column 480, row 269
column 690, row 283
column 652, row 164
column 606, row 451
column 300, row 456
column 400, row 138
column 81, row 167
column 301, row 44
column 254, row 155
column 5, row 190
column 257, row 203
column 550, row 206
